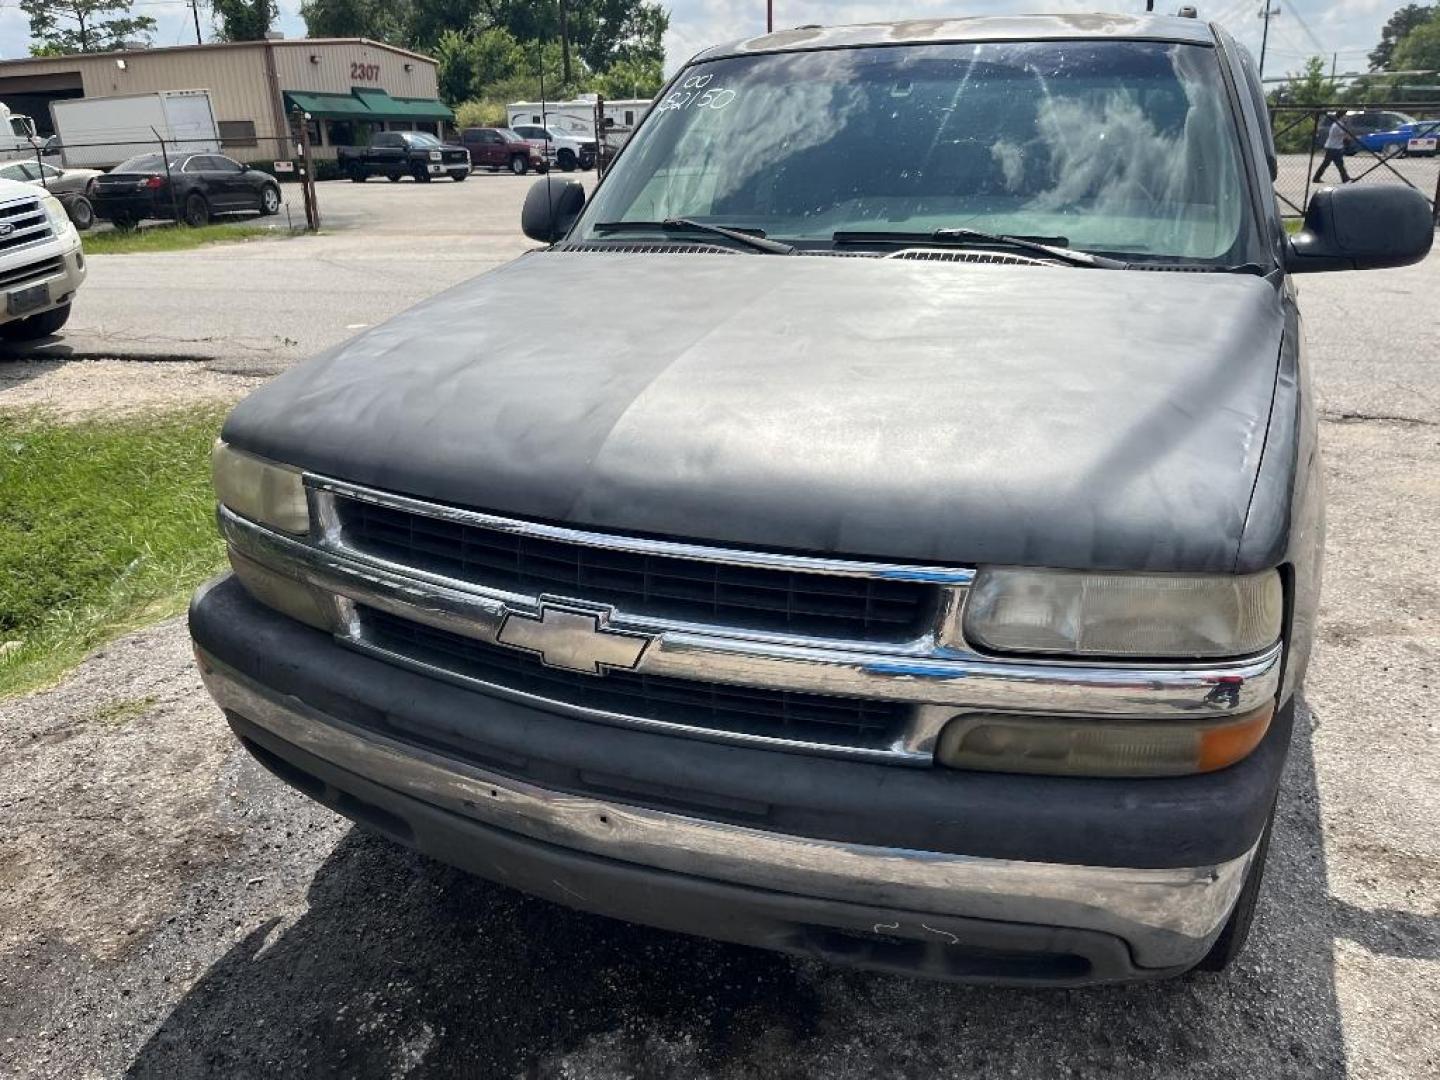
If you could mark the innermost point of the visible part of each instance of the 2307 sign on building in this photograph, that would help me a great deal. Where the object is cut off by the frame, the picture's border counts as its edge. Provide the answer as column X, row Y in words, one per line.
column 364, row 72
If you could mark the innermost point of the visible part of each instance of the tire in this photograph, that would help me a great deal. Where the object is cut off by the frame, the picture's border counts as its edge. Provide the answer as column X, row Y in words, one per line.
column 1232, row 939
column 358, row 175
column 567, row 161
column 519, row 165
column 394, row 178
column 269, row 200
column 82, row 214
column 123, row 222
column 197, row 211
column 36, row 326
column 459, row 177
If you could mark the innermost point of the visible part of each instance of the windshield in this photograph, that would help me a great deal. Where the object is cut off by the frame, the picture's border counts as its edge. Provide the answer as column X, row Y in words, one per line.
column 147, row 163
column 508, row 135
column 1118, row 147
column 420, row 138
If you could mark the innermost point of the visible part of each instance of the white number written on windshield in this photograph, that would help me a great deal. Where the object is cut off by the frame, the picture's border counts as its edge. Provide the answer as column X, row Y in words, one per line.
column 696, row 93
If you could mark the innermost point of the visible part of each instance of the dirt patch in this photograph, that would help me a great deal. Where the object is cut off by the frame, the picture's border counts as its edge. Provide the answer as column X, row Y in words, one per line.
column 107, row 796
column 83, row 389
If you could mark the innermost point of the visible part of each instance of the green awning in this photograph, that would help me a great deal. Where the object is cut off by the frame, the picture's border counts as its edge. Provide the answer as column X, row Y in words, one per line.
column 385, row 107
column 366, row 103
column 327, row 106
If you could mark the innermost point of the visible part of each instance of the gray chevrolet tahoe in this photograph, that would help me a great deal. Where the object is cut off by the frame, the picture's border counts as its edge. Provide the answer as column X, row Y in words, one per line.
column 923, row 579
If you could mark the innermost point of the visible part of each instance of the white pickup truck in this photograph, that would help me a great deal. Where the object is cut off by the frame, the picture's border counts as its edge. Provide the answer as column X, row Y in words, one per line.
column 41, row 264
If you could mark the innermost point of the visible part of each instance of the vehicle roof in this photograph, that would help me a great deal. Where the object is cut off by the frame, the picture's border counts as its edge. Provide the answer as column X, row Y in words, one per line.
column 978, row 28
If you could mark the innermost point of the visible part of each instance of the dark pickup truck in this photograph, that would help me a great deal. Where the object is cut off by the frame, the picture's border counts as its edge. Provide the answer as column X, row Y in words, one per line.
column 923, row 578
column 395, row 154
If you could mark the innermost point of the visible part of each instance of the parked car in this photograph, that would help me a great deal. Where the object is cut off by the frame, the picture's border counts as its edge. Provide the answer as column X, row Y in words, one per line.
column 71, row 186
column 1408, row 138
column 501, row 148
column 566, row 151
column 41, row 264
column 942, row 608
column 396, row 154
column 191, row 188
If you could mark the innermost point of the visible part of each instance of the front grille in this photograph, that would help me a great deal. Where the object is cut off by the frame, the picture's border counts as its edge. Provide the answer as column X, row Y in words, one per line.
column 23, row 223
column 31, row 272
column 741, row 710
column 743, row 597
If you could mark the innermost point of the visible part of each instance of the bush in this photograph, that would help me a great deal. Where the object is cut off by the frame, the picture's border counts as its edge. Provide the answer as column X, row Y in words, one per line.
column 480, row 113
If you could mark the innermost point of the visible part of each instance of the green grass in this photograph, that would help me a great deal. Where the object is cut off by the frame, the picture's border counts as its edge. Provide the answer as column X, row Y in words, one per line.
column 170, row 238
column 1293, row 225
column 104, row 525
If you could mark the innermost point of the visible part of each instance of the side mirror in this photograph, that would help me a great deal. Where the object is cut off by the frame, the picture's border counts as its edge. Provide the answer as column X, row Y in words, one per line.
column 1361, row 228
column 551, row 207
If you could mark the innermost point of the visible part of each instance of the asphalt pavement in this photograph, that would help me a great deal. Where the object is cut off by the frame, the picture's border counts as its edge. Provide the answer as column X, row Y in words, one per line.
column 167, row 909
column 258, row 307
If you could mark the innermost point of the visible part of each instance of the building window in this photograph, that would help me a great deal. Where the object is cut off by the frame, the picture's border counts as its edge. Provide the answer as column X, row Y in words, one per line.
column 237, row 133
column 427, row 125
column 629, row 117
column 348, row 132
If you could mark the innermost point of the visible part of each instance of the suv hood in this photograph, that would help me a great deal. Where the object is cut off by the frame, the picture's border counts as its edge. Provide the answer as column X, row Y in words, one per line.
column 890, row 408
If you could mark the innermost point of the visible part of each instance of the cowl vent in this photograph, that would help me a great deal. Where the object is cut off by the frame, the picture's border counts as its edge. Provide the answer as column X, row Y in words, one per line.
column 1004, row 258
column 647, row 249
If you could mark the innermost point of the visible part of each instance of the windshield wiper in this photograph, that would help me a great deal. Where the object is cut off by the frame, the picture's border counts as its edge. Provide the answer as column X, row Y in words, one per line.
column 749, row 239
column 975, row 238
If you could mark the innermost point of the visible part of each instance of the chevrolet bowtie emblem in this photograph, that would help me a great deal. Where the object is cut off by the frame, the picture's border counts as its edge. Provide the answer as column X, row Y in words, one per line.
column 575, row 639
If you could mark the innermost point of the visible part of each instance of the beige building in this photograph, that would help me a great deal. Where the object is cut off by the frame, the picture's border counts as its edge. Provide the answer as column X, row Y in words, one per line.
column 349, row 86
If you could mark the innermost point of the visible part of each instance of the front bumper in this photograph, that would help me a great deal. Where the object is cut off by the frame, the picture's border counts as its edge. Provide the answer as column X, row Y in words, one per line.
column 62, row 282
column 665, row 831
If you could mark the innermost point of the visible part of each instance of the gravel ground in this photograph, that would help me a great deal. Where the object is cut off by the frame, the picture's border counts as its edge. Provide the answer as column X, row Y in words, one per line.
column 169, row 910
column 74, row 389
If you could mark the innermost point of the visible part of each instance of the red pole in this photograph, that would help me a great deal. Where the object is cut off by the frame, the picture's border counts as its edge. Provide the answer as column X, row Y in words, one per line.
column 769, row 16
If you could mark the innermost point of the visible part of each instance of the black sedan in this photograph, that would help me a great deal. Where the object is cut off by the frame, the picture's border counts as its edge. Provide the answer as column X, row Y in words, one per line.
column 189, row 187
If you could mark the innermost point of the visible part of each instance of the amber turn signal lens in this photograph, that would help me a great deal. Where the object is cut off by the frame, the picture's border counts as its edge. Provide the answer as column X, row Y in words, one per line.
column 1226, row 744
column 1074, row 746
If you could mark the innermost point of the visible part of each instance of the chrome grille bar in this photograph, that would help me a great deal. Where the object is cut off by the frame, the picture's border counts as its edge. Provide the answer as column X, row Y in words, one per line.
column 939, row 681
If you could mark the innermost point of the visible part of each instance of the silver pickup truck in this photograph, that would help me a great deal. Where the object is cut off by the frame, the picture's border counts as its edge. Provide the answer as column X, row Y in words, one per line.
column 922, row 578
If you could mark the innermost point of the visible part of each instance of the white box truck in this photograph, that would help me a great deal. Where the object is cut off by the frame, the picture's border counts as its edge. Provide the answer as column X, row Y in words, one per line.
column 100, row 133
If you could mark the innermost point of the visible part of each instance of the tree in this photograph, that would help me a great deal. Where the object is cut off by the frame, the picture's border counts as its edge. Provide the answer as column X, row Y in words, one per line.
column 630, row 78
column 467, row 63
column 72, row 26
column 244, row 20
column 1419, row 50
column 379, row 20
column 1308, row 86
column 1400, row 24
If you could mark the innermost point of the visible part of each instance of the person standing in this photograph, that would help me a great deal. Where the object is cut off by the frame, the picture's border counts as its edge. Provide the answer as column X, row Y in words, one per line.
column 1335, row 140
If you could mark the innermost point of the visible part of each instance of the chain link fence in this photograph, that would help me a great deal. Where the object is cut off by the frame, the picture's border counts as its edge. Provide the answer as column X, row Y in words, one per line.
column 1380, row 144
column 190, row 183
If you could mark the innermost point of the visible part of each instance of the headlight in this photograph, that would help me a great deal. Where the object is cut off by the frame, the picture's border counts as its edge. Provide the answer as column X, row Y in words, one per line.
column 435, row 155
column 1178, row 616
column 59, row 219
column 260, row 490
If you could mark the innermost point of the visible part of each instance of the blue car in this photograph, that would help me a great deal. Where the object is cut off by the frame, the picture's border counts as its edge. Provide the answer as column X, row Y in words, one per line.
column 1417, row 137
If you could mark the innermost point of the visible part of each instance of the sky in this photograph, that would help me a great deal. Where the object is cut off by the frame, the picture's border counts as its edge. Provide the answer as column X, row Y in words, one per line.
column 1303, row 27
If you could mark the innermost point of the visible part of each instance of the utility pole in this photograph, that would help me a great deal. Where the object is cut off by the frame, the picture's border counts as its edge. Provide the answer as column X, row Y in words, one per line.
column 195, row 10
column 564, row 45
column 769, row 16
column 1265, row 36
